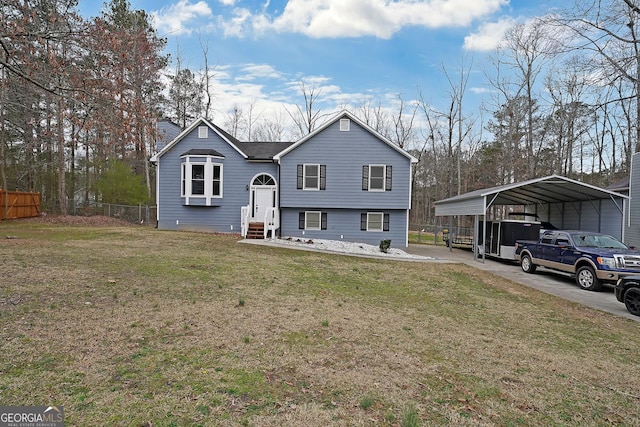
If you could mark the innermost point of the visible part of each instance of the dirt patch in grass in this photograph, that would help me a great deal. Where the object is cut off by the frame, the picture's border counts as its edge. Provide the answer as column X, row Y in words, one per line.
column 135, row 326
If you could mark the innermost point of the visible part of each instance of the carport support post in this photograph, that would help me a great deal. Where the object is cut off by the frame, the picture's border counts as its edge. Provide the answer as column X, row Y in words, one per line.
column 476, row 242
column 450, row 244
column 478, row 245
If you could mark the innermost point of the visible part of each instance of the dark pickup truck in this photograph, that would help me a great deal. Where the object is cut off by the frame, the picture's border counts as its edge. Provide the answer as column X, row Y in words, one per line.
column 594, row 258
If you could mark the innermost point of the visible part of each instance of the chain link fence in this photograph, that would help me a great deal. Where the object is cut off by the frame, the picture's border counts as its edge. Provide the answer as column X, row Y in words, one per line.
column 140, row 214
column 440, row 234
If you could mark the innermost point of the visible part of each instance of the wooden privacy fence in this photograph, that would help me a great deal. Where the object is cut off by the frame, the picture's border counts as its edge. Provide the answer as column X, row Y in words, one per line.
column 19, row 204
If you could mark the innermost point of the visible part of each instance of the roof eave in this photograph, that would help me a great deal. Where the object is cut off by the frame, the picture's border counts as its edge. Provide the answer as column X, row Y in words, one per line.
column 337, row 117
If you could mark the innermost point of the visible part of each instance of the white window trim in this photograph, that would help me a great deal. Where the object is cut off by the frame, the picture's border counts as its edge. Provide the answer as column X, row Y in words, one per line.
column 384, row 178
column 345, row 125
column 306, row 220
column 183, row 178
column 304, row 177
column 203, row 132
column 186, row 174
column 369, row 214
column 213, row 166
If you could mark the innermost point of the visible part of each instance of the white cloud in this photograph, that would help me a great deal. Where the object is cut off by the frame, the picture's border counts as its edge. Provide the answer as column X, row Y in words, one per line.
column 175, row 19
column 480, row 90
column 243, row 85
column 378, row 18
column 235, row 25
column 228, row 2
column 488, row 35
column 259, row 71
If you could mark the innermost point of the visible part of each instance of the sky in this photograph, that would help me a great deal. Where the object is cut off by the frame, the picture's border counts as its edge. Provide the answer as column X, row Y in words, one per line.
column 345, row 50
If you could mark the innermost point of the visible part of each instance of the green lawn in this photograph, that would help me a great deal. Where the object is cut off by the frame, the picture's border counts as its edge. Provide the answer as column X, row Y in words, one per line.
column 423, row 237
column 132, row 326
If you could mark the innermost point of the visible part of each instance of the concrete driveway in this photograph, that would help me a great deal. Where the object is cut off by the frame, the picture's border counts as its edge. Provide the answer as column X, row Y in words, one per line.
column 548, row 281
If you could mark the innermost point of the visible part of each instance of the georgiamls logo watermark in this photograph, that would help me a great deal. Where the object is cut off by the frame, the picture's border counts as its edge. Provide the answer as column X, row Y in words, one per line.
column 31, row 416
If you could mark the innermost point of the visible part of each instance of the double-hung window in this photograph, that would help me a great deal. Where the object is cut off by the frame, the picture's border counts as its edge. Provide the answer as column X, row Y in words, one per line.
column 312, row 220
column 216, row 187
column 197, row 179
column 183, row 179
column 374, row 221
column 376, row 177
column 311, row 177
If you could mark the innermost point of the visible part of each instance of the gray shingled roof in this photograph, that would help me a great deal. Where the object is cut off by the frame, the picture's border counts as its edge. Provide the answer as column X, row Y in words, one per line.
column 256, row 150
column 261, row 150
column 620, row 185
column 202, row 152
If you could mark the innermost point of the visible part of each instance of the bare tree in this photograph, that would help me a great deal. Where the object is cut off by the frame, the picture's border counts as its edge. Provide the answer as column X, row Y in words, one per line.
column 206, row 80
column 250, row 120
column 271, row 129
column 567, row 126
column 306, row 119
column 129, row 36
column 606, row 32
column 403, row 131
column 233, row 121
column 517, row 64
column 375, row 116
column 447, row 130
column 459, row 126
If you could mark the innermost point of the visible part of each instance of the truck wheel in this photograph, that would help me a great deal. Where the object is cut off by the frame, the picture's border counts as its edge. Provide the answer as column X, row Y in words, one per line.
column 632, row 301
column 527, row 265
column 586, row 278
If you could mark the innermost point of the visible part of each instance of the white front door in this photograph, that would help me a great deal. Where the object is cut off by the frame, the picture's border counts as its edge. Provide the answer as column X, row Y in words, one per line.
column 262, row 200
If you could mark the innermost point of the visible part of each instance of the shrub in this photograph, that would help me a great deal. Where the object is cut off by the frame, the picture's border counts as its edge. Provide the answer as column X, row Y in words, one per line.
column 118, row 184
column 385, row 245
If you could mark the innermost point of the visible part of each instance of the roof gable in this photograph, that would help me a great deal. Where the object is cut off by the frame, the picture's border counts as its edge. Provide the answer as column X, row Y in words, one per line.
column 342, row 115
column 233, row 142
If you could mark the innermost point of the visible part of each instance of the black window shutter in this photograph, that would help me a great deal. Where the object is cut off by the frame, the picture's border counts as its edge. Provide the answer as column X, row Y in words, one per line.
column 323, row 221
column 301, row 220
column 385, row 222
column 365, row 177
column 323, row 177
column 300, row 176
column 387, row 184
column 363, row 222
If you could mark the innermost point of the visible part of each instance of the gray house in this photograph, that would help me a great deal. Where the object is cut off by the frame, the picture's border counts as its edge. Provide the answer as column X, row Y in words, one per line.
column 344, row 181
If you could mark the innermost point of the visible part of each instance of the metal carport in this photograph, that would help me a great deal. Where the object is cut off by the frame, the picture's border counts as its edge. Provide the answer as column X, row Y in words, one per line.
column 566, row 203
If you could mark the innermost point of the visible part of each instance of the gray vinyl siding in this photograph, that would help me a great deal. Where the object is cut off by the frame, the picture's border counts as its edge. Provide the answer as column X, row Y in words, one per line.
column 632, row 232
column 344, row 154
column 344, row 224
column 237, row 174
column 167, row 132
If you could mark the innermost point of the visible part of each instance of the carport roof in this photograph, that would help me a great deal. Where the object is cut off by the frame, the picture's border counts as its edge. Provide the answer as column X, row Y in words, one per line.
column 550, row 189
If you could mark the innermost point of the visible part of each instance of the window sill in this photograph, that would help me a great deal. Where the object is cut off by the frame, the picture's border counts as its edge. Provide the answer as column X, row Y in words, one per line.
column 202, row 201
